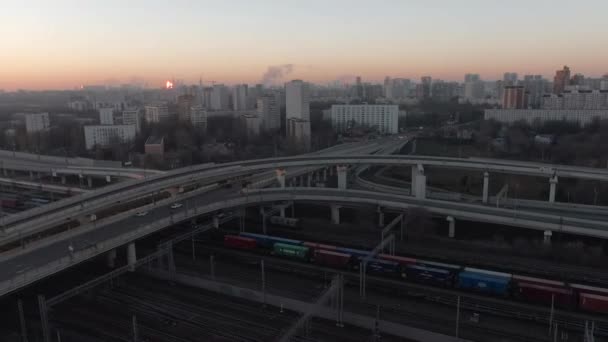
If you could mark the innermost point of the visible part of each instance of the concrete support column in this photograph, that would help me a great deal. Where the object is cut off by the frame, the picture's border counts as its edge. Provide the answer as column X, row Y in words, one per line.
column 547, row 237
column 452, row 228
column 131, row 256
column 308, row 179
column 342, row 171
column 282, row 212
column 325, row 175
column 380, row 217
column 552, row 189
column 486, row 184
column 335, row 214
column 216, row 222
column 418, row 182
column 31, row 174
column 109, row 179
column 63, row 180
column 90, row 181
column 4, row 172
column 111, row 258
column 281, row 177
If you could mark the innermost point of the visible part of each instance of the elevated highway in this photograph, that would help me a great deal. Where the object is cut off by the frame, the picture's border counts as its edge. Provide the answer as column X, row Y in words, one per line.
column 22, row 267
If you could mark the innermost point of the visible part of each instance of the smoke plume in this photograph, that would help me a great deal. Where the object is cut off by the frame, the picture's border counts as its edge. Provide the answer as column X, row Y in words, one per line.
column 276, row 74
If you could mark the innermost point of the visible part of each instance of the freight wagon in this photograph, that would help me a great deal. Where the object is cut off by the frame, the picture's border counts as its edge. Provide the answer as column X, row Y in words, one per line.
column 542, row 291
column 239, row 242
column 429, row 275
column 591, row 298
column 267, row 241
column 291, row 251
column 496, row 283
column 331, row 258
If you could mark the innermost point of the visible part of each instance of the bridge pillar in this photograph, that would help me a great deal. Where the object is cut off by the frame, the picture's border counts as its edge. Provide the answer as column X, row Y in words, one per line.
column 90, row 181
column 380, row 217
column 547, row 237
column 342, row 171
column 131, row 256
column 111, row 258
column 452, row 228
column 324, row 174
column 308, row 179
column 552, row 189
column 4, row 172
column 215, row 222
column 418, row 182
column 109, row 179
column 63, row 181
column 335, row 214
column 282, row 212
column 281, row 177
column 486, row 184
column 31, row 174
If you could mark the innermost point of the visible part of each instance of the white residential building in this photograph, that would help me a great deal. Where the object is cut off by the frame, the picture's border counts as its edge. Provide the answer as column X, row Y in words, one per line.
column 36, row 122
column 157, row 112
column 79, row 105
column 580, row 116
column 269, row 113
column 132, row 117
column 198, row 117
column 577, row 99
column 239, row 97
column 103, row 135
column 297, row 95
column 106, row 116
column 220, row 97
column 385, row 118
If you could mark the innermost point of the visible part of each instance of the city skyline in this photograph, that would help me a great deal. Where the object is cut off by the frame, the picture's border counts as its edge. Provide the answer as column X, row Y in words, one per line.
column 64, row 44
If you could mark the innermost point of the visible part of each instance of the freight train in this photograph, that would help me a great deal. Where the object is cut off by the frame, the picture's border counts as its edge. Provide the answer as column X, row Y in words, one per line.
column 519, row 287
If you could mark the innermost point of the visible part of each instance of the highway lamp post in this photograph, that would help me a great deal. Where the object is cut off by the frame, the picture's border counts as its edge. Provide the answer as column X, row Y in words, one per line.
column 457, row 316
column 135, row 330
column 22, row 321
column 263, row 283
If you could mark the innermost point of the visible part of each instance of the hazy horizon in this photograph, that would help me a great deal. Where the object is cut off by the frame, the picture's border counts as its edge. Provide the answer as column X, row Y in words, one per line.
column 63, row 44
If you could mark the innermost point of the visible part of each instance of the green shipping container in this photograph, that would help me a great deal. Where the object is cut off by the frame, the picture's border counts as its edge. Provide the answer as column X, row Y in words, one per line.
column 298, row 252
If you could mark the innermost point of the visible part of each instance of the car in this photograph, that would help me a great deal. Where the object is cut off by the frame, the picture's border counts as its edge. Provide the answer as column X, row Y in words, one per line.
column 141, row 213
column 176, row 205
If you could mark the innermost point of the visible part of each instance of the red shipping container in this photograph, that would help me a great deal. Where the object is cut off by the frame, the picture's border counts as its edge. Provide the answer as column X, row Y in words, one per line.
column 562, row 296
column 332, row 259
column 404, row 261
column 316, row 246
column 593, row 302
column 239, row 242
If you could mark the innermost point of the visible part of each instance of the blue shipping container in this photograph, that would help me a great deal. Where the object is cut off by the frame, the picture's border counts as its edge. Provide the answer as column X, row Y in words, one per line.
column 483, row 282
column 357, row 253
column 432, row 275
column 383, row 267
column 268, row 241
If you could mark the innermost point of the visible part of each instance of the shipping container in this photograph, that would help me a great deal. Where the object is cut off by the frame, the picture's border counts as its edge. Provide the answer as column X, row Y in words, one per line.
column 267, row 241
column 543, row 290
column 9, row 203
column 239, row 242
column 484, row 282
column 290, row 251
column 319, row 246
column 429, row 275
column 593, row 303
column 449, row 267
column 404, row 261
column 357, row 253
column 330, row 258
column 383, row 267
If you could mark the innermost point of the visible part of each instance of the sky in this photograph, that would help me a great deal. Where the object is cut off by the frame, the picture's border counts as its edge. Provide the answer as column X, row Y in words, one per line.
column 62, row 44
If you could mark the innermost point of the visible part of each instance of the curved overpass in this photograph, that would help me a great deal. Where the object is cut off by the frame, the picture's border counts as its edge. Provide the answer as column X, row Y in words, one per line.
column 57, row 212
column 26, row 266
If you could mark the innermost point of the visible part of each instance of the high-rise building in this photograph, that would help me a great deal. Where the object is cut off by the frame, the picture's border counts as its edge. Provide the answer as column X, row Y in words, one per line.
column 297, row 95
column 251, row 125
column 198, row 117
column 397, row 89
column 104, row 135
column 36, row 122
column 444, row 91
column 577, row 80
column 561, row 80
column 132, row 117
column 358, row 88
column 577, row 99
column 535, row 87
column 471, row 78
column 239, row 97
column 253, row 94
column 604, row 83
column 510, row 78
column 269, row 112
column 298, row 134
column 220, row 97
column 106, row 116
column 184, row 104
column 514, row 97
column 384, row 118
column 156, row 112
column 425, row 87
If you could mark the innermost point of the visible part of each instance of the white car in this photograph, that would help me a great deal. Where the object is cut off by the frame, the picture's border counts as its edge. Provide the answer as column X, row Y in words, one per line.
column 176, row 205
column 141, row 213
